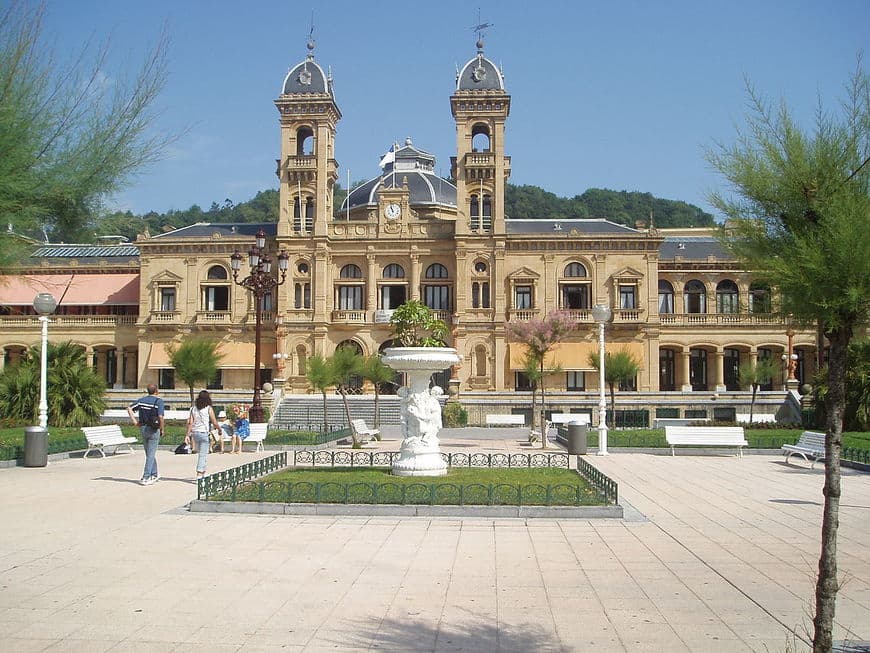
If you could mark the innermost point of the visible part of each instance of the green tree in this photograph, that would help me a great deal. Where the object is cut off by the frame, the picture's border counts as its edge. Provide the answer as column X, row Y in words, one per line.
column 76, row 394
column 799, row 216
column 318, row 371
column 540, row 335
column 68, row 138
column 856, row 417
column 619, row 367
column 414, row 325
column 754, row 375
column 346, row 363
column 196, row 361
column 377, row 372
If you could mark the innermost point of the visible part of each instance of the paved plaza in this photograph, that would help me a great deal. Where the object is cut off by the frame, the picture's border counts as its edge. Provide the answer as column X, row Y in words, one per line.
column 715, row 553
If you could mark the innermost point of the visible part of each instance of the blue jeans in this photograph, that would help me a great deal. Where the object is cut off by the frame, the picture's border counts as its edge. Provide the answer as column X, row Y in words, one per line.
column 150, row 440
column 202, row 445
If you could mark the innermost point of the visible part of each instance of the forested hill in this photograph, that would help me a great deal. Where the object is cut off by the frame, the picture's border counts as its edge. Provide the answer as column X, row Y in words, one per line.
column 621, row 206
column 520, row 202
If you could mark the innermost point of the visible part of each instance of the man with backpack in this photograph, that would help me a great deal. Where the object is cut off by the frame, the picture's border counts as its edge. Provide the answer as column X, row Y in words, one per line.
column 150, row 422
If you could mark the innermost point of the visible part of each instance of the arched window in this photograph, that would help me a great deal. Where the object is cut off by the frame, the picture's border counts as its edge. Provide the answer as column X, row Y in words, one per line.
column 436, row 271
column 394, row 271
column 480, row 141
column 666, row 297
column 350, row 271
column 217, row 272
column 355, row 382
column 695, row 297
column 727, row 297
column 304, row 141
column 480, row 213
column 573, row 270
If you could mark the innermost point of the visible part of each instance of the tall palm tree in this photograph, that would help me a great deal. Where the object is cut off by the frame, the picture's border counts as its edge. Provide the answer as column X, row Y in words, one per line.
column 619, row 367
column 76, row 393
column 318, row 371
column 195, row 361
column 375, row 370
column 345, row 364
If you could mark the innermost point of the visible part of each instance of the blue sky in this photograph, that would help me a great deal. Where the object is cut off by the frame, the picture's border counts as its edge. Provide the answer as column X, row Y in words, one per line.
column 622, row 95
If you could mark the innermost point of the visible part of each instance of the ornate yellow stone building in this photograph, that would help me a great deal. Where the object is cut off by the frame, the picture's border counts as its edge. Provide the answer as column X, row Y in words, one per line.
column 687, row 311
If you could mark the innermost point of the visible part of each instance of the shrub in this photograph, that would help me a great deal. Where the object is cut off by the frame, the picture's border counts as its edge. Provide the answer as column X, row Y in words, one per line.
column 454, row 415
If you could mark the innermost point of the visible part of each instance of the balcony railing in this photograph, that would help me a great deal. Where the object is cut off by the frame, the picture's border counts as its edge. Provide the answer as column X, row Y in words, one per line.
column 522, row 315
column 627, row 315
column 213, row 317
column 349, row 317
column 720, row 319
column 69, row 320
column 266, row 317
column 444, row 316
column 165, row 316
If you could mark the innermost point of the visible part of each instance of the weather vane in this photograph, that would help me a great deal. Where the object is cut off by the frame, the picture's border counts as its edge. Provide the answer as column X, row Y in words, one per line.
column 481, row 26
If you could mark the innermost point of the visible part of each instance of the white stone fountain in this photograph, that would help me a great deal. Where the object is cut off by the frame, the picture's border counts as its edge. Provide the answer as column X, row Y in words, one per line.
column 420, row 411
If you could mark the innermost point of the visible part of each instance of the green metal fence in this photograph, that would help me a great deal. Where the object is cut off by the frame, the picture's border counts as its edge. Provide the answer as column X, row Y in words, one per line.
column 606, row 485
column 227, row 479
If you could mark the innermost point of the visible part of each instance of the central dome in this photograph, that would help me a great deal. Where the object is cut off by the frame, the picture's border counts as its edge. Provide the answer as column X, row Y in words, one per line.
column 406, row 163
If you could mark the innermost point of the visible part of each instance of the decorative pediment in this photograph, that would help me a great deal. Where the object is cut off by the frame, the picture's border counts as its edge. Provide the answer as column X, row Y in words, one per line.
column 628, row 274
column 523, row 273
column 165, row 277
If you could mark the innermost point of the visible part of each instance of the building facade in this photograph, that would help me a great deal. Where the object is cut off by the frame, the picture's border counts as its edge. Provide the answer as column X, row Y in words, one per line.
column 687, row 312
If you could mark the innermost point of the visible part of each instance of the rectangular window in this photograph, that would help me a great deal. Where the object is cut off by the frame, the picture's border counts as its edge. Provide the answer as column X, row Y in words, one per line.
column 480, row 294
column 521, row 382
column 215, row 298
column 627, row 297
column 302, row 295
column 575, row 381
column 166, row 379
column 167, row 299
column 350, row 298
column 575, row 297
column 522, row 297
column 217, row 382
column 437, row 297
column 268, row 302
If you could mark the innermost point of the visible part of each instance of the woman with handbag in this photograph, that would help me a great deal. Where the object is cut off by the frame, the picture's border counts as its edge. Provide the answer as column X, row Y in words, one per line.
column 201, row 418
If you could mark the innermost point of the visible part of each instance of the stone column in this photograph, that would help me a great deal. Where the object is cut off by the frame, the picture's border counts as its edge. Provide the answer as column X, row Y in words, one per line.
column 683, row 358
column 719, row 370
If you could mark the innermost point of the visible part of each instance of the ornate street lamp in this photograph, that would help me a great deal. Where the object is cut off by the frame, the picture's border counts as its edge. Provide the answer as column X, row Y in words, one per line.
column 601, row 314
column 260, row 281
column 44, row 304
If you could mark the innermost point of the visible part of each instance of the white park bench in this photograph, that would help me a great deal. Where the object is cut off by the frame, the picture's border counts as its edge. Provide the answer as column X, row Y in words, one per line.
column 505, row 420
column 257, row 434
column 810, row 445
column 99, row 437
column 362, row 430
column 568, row 418
column 707, row 436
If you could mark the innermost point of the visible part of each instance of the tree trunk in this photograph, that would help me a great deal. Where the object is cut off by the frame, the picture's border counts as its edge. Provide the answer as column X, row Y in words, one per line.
column 752, row 403
column 356, row 442
column 325, row 422
column 543, row 423
column 835, row 403
column 190, row 388
column 377, row 408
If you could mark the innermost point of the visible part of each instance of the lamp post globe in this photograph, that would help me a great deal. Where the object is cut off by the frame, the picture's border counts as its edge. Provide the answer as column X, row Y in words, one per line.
column 44, row 304
column 601, row 313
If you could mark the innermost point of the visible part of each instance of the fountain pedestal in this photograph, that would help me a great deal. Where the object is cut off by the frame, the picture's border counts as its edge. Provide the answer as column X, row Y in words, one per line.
column 420, row 410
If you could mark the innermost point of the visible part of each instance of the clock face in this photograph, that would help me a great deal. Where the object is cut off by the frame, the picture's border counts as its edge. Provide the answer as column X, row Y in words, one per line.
column 393, row 211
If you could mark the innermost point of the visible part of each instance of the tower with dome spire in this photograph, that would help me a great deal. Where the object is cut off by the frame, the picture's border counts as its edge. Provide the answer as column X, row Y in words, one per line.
column 480, row 107
column 307, row 170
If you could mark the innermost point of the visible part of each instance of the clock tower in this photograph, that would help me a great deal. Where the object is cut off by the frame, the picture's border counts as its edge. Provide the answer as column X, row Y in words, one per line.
column 307, row 169
column 480, row 107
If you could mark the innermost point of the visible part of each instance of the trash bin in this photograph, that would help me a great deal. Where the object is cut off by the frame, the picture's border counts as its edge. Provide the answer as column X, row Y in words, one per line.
column 577, row 438
column 35, row 446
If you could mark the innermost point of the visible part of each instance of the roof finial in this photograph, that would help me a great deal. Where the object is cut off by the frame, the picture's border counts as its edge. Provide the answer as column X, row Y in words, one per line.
column 479, row 29
column 311, row 42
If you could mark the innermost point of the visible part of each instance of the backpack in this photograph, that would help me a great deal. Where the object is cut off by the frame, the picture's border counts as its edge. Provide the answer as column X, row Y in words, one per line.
column 183, row 448
column 149, row 416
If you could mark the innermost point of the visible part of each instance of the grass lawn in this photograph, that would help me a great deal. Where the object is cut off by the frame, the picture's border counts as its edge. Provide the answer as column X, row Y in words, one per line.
column 461, row 486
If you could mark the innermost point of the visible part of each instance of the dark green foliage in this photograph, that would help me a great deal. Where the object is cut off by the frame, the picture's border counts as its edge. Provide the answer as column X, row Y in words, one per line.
column 75, row 392
column 857, row 413
column 623, row 207
column 454, row 415
column 195, row 361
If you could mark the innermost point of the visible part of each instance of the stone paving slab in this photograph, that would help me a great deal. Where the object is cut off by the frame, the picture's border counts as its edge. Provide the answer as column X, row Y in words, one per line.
column 722, row 559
